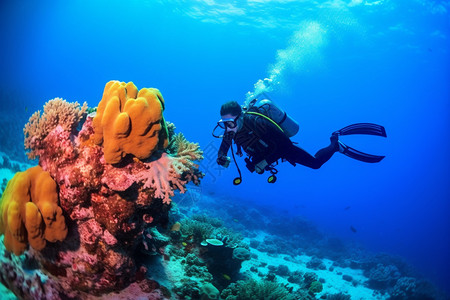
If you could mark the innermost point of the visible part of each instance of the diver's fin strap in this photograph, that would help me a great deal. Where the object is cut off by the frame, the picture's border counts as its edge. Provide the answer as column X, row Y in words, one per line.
column 266, row 117
column 358, row 155
column 363, row 128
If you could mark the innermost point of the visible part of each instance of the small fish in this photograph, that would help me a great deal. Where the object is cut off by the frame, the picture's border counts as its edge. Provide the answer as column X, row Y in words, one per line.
column 184, row 244
column 353, row 229
column 236, row 220
column 227, row 277
column 347, row 208
column 26, row 108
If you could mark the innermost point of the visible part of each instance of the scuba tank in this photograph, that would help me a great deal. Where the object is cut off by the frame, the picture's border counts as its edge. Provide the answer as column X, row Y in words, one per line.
column 278, row 115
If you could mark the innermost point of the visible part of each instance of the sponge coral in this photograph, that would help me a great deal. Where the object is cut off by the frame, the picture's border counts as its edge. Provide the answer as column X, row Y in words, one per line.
column 29, row 211
column 129, row 122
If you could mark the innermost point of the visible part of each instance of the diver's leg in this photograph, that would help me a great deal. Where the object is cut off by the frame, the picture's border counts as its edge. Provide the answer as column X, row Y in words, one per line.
column 298, row 155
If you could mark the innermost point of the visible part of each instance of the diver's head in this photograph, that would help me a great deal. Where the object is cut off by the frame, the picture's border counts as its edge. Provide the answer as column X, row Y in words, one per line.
column 231, row 108
column 231, row 114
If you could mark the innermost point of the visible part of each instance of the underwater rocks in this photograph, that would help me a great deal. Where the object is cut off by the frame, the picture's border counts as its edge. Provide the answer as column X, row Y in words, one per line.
column 210, row 254
column 22, row 277
column 316, row 264
column 382, row 276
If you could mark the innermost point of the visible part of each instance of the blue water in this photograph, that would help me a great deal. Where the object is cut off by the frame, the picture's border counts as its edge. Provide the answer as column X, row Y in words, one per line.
column 333, row 63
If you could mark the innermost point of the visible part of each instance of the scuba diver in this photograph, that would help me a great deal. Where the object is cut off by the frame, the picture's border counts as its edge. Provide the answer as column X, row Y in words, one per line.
column 263, row 131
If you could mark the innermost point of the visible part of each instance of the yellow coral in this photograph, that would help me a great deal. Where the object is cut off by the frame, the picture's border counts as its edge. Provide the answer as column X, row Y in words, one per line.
column 129, row 122
column 29, row 211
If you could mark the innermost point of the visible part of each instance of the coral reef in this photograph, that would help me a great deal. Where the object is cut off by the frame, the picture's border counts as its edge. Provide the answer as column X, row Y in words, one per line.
column 129, row 121
column 382, row 276
column 21, row 275
column 112, row 201
column 223, row 262
column 209, row 292
column 340, row 296
column 252, row 289
column 57, row 112
column 29, row 211
column 201, row 228
column 414, row 289
column 316, row 264
column 315, row 287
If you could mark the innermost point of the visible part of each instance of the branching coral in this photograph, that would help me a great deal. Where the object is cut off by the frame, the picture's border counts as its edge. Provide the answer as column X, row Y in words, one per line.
column 167, row 174
column 29, row 211
column 181, row 147
column 199, row 231
column 202, row 227
column 174, row 171
column 57, row 112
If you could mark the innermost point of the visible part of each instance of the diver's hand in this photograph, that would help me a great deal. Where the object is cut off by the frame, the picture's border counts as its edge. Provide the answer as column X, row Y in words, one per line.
column 223, row 161
column 259, row 167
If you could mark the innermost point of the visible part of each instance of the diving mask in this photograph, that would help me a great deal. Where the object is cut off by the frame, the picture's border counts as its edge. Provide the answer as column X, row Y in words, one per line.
column 228, row 123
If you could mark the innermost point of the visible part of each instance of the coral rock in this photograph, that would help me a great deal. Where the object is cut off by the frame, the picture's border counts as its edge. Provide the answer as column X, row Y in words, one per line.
column 30, row 212
column 129, row 122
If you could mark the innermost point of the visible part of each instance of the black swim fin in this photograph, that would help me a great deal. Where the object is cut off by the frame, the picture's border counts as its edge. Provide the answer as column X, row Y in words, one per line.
column 358, row 155
column 360, row 128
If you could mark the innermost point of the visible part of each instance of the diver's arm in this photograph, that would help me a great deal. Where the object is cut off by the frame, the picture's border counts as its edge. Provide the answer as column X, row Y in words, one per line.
column 222, row 158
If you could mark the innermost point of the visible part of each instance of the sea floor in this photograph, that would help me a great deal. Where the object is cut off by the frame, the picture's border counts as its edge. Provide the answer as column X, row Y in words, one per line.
column 331, row 276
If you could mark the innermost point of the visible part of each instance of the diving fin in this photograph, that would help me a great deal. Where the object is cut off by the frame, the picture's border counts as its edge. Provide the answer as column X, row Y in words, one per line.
column 362, row 128
column 359, row 155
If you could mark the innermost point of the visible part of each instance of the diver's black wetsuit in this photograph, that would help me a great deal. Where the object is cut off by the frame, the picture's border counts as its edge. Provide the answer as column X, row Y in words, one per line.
column 261, row 139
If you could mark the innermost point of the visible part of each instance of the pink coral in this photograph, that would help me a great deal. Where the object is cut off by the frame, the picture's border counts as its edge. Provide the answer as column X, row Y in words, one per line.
column 167, row 174
column 118, row 179
column 174, row 171
column 159, row 176
column 90, row 231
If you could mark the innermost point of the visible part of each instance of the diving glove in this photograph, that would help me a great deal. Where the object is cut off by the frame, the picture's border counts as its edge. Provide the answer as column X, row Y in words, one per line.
column 224, row 161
